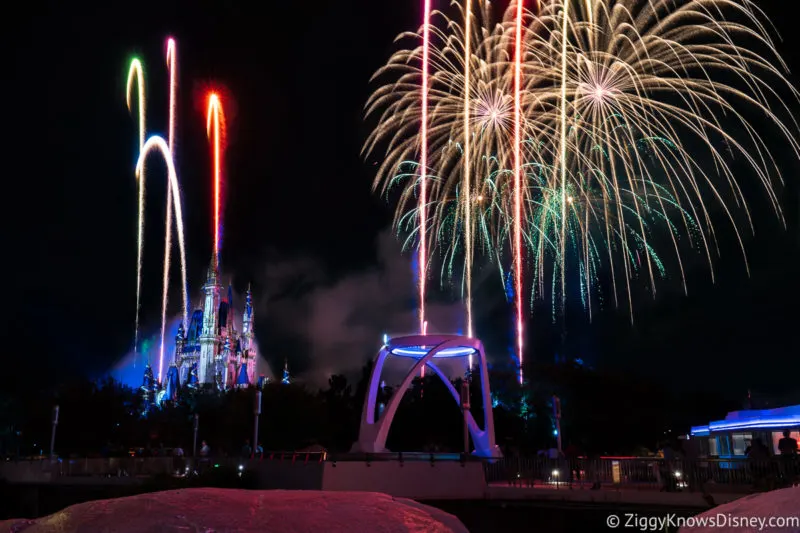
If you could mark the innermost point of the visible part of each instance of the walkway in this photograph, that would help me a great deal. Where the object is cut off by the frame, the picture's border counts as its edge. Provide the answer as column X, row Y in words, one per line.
column 607, row 495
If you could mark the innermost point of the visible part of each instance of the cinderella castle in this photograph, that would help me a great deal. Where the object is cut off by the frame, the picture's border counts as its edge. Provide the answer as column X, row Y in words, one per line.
column 211, row 353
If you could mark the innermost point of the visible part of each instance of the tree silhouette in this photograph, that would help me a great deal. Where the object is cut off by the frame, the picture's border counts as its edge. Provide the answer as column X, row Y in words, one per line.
column 602, row 412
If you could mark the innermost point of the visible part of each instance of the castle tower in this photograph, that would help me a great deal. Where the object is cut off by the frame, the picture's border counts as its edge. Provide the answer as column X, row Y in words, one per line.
column 229, row 319
column 247, row 319
column 209, row 338
column 180, row 342
column 248, row 336
column 148, row 387
column 172, row 386
column 225, row 361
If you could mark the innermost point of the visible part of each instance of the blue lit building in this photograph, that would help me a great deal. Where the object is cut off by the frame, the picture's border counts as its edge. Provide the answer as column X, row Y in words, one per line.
column 730, row 438
column 211, row 352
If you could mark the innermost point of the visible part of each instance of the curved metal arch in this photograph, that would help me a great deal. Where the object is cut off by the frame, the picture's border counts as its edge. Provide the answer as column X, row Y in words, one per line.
column 373, row 433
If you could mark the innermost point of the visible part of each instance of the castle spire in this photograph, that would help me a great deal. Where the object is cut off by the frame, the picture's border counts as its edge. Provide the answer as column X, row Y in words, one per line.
column 247, row 318
column 248, row 338
column 286, row 378
column 213, row 271
column 210, row 341
column 180, row 342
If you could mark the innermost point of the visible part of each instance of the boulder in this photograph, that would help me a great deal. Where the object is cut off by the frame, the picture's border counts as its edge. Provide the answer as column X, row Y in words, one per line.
column 776, row 510
column 209, row 510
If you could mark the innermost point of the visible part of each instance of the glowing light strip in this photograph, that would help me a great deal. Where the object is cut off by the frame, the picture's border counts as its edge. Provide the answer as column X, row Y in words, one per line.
column 423, row 195
column 755, row 423
column 213, row 127
column 422, row 351
column 518, row 184
column 767, row 421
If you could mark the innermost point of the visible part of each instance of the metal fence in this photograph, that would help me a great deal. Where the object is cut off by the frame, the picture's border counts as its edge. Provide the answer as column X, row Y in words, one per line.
column 724, row 475
column 712, row 475
column 132, row 467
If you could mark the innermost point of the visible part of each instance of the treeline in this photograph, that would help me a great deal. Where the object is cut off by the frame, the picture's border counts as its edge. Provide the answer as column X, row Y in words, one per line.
column 601, row 414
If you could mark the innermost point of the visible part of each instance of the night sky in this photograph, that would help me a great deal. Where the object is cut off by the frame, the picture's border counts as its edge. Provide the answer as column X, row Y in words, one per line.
column 301, row 222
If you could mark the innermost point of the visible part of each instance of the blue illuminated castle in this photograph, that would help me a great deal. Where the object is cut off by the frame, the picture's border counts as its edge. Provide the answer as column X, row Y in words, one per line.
column 212, row 353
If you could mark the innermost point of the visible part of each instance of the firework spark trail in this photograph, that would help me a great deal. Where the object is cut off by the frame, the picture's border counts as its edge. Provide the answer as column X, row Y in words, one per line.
column 172, row 66
column 215, row 119
column 466, row 163
column 563, row 146
column 173, row 69
column 158, row 144
column 585, row 209
column 518, row 221
column 172, row 60
column 136, row 75
column 423, row 194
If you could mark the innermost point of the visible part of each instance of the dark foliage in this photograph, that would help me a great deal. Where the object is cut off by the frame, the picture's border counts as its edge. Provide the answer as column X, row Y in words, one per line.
column 602, row 413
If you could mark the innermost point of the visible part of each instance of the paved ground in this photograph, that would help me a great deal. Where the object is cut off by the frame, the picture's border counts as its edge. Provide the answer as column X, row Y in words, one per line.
column 644, row 495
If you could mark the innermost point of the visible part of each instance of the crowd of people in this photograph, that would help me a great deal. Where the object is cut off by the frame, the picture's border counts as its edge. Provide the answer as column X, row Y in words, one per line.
column 765, row 477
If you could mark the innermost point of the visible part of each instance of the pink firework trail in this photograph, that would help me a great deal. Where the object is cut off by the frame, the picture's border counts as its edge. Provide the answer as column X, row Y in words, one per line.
column 172, row 65
column 215, row 123
column 466, row 170
column 518, row 183
column 172, row 68
column 423, row 194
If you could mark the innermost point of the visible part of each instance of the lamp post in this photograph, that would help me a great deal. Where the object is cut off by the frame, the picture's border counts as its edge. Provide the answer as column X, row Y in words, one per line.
column 256, row 413
column 465, row 411
column 53, row 433
column 196, row 427
column 557, row 416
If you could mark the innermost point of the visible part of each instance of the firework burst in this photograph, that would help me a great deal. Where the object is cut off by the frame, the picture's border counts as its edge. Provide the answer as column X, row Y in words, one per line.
column 583, row 126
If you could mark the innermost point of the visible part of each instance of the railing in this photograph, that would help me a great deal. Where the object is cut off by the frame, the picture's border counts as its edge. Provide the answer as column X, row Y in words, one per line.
column 85, row 467
column 45, row 469
column 711, row 475
column 402, row 457
column 48, row 470
column 707, row 475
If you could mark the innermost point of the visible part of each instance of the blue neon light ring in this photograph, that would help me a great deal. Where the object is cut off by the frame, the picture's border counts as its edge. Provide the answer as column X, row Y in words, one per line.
column 421, row 351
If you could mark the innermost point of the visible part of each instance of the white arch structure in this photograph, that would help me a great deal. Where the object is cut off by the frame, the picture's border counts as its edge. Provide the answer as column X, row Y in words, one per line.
column 425, row 348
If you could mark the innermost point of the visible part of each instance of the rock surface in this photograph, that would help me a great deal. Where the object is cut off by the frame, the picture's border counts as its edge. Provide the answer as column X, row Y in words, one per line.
column 752, row 513
column 243, row 511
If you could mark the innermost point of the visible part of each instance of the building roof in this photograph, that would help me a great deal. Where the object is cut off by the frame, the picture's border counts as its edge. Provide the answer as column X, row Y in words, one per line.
column 779, row 418
column 242, row 379
column 195, row 326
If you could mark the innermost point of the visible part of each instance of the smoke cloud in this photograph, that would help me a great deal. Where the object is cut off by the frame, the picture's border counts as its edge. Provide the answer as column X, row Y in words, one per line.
column 129, row 369
column 327, row 326
column 321, row 323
